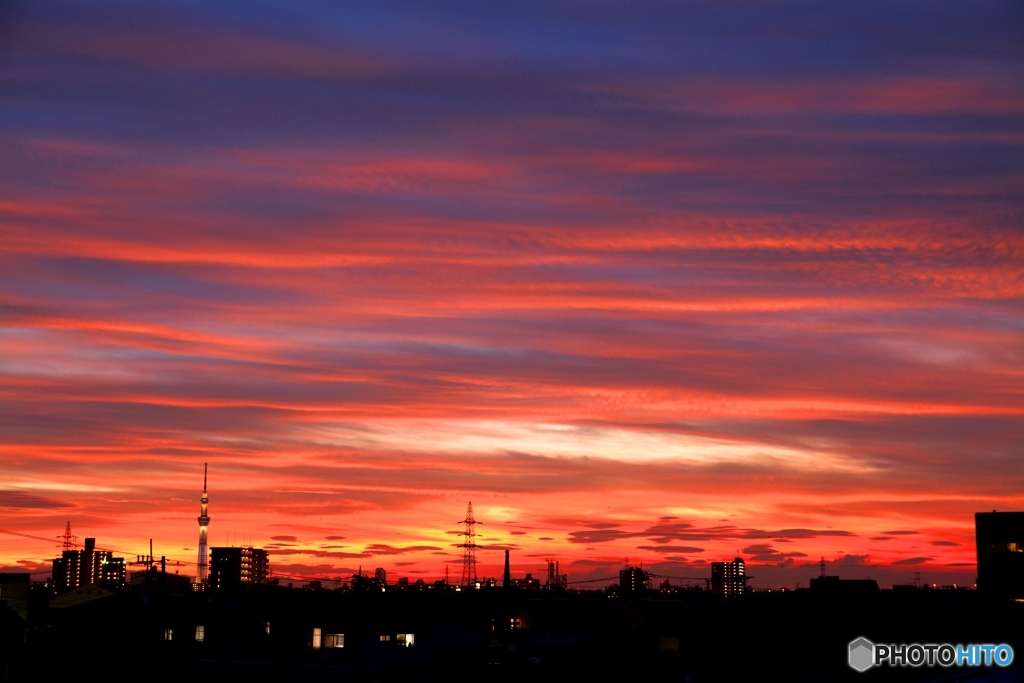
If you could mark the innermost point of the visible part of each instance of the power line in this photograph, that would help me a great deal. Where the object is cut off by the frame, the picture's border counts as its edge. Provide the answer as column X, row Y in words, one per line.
column 606, row 578
column 38, row 538
column 681, row 578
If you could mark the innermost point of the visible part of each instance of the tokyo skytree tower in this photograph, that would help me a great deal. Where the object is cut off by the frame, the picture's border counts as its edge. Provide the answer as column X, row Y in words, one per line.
column 204, row 524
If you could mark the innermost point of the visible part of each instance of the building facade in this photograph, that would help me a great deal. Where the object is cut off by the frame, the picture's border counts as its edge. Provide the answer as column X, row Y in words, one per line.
column 633, row 580
column 85, row 567
column 729, row 579
column 231, row 567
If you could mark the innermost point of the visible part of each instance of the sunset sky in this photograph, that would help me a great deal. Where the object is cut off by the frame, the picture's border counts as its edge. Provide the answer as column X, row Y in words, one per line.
column 665, row 282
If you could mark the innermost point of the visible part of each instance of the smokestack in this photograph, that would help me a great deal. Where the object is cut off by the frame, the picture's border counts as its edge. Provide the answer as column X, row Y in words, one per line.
column 506, row 580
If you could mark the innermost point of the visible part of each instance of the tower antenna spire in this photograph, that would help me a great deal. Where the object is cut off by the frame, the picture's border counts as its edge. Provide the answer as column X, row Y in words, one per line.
column 204, row 525
column 469, row 544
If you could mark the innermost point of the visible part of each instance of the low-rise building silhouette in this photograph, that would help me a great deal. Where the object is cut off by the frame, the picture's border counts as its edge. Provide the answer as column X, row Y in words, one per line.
column 527, row 582
column 833, row 584
column 14, row 589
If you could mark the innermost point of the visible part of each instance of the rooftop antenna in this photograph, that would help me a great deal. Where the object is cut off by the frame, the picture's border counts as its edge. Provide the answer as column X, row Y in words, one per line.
column 469, row 557
column 822, row 565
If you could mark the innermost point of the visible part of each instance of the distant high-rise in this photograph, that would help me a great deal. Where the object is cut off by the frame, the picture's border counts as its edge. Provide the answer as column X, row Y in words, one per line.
column 88, row 566
column 1000, row 547
column 729, row 579
column 87, row 563
column 230, row 567
column 112, row 571
column 632, row 580
column 204, row 525
column 66, row 571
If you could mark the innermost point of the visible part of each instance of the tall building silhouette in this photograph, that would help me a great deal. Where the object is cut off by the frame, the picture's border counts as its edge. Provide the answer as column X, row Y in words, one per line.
column 232, row 567
column 632, row 580
column 85, row 567
column 729, row 579
column 204, row 525
column 1000, row 546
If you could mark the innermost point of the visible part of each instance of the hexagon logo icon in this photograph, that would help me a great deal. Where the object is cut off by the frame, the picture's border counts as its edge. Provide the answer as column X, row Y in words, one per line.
column 862, row 654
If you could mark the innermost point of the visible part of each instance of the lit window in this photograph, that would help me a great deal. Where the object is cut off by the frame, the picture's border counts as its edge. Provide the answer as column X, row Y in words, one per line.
column 266, row 627
column 200, row 634
column 406, row 639
column 169, row 634
column 316, row 638
column 385, row 639
column 337, row 640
